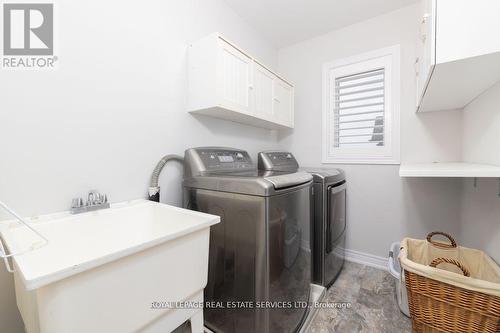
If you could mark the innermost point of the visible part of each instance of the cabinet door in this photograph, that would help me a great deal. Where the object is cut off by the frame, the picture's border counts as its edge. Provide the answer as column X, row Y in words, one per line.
column 283, row 102
column 426, row 48
column 262, row 101
column 467, row 29
column 234, row 73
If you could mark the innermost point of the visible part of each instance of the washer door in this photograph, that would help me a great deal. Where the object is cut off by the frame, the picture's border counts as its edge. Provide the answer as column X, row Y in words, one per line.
column 289, row 219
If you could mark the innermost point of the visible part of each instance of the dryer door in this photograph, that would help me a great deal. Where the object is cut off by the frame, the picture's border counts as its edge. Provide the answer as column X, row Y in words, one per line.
column 336, row 215
column 335, row 231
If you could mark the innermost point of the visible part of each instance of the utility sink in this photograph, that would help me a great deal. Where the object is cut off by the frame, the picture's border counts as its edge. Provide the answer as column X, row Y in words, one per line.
column 115, row 270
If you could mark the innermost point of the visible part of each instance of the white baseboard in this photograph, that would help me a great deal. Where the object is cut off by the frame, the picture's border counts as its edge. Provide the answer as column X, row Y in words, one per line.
column 366, row 259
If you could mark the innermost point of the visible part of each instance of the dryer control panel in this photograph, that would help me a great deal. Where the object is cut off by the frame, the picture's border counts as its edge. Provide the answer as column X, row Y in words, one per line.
column 277, row 161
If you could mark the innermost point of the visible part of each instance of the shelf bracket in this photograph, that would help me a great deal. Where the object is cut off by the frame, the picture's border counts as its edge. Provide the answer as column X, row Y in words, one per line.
column 475, row 182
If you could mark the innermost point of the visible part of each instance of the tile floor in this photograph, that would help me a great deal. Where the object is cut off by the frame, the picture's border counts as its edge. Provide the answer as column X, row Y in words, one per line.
column 374, row 307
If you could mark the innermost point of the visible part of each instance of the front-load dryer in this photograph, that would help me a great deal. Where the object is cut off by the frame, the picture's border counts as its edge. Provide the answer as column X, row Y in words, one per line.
column 328, row 227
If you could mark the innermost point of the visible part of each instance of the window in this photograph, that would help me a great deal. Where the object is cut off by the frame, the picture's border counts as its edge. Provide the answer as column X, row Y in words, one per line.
column 361, row 108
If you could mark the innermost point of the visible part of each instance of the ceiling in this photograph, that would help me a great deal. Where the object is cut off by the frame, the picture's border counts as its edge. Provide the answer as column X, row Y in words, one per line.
column 285, row 22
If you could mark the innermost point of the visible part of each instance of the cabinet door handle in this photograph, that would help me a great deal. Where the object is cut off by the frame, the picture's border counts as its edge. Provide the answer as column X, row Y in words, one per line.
column 276, row 99
column 423, row 27
column 250, row 86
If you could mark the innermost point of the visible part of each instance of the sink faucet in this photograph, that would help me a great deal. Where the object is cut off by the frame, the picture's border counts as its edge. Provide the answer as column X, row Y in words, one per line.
column 95, row 201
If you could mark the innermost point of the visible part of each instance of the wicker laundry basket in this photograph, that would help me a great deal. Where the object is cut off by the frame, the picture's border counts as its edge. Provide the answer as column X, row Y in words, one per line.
column 462, row 295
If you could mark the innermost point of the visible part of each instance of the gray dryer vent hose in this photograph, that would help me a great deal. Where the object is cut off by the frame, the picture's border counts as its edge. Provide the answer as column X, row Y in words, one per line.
column 154, row 188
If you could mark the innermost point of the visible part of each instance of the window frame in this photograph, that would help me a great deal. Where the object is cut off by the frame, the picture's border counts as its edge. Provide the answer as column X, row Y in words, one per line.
column 389, row 59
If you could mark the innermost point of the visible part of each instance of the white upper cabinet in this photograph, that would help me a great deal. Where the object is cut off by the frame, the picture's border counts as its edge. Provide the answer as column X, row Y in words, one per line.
column 233, row 78
column 263, row 81
column 283, row 101
column 458, row 52
column 425, row 47
column 225, row 82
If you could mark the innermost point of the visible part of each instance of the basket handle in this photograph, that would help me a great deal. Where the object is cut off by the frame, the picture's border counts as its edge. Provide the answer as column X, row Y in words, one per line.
column 438, row 261
column 452, row 244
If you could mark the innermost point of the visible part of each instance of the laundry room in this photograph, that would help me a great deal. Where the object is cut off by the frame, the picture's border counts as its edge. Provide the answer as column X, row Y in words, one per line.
column 250, row 166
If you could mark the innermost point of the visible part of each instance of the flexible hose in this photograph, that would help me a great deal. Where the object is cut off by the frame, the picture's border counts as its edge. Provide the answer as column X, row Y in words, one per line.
column 154, row 188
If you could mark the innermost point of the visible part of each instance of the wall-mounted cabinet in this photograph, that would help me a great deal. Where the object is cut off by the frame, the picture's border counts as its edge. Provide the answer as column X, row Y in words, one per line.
column 226, row 82
column 458, row 52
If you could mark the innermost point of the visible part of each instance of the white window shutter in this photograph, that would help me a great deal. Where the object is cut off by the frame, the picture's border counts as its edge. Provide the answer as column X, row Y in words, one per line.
column 359, row 109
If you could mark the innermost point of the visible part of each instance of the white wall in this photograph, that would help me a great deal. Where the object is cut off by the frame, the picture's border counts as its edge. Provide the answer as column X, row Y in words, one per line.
column 112, row 109
column 382, row 207
column 481, row 128
column 480, row 220
column 480, row 216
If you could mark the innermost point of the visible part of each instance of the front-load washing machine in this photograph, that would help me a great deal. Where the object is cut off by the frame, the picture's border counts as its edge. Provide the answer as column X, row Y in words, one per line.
column 259, row 269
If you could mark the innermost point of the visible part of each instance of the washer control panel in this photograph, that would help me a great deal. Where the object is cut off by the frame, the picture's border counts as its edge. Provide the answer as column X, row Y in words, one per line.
column 224, row 159
column 277, row 161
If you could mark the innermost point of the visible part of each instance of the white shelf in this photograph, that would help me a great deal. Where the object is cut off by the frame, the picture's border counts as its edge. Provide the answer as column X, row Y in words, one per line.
column 457, row 169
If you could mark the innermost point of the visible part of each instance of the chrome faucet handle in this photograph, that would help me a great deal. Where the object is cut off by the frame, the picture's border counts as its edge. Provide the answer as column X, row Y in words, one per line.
column 77, row 203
